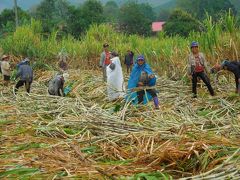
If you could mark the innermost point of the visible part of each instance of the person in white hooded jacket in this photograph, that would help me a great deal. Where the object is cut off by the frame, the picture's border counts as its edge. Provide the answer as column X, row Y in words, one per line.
column 115, row 81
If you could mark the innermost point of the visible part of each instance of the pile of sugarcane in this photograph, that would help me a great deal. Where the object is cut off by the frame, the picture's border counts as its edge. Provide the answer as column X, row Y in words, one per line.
column 84, row 135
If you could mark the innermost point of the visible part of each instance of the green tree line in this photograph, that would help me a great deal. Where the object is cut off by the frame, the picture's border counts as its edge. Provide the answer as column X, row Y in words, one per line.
column 131, row 17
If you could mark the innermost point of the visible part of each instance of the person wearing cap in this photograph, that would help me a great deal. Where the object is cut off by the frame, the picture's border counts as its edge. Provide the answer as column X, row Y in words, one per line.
column 197, row 68
column 105, row 60
column 5, row 68
column 140, row 79
column 55, row 86
column 25, row 75
column 115, row 81
column 232, row 66
column 24, row 61
column 129, row 60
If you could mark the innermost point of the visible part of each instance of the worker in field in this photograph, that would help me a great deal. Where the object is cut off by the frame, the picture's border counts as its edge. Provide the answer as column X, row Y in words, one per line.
column 129, row 60
column 105, row 60
column 5, row 69
column 62, row 64
column 115, row 81
column 141, row 82
column 0, row 66
column 25, row 75
column 197, row 68
column 232, row 66
column 24, row 61
column 56, row 85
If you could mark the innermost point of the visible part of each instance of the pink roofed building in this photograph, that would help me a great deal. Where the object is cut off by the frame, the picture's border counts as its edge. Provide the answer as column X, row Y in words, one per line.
column 157, row 26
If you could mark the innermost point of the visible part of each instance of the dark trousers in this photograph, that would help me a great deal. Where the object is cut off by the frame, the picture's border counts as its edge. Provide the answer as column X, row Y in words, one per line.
column 204, row 78
column 58, row 93
column 141, row 93
column 6, row 78
column 237, row 80
column 21, row 83
column 104, row 71
column 129, row 68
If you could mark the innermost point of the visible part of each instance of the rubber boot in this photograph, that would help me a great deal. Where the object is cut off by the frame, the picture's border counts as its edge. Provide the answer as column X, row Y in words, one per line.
column 156, row 103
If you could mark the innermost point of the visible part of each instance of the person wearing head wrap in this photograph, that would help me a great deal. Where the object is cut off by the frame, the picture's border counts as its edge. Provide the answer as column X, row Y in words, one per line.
column 197, row 68
column 140, row 77
column 115, row 81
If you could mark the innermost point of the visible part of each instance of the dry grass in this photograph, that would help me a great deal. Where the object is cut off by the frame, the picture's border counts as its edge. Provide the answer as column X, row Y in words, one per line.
column 81, row 136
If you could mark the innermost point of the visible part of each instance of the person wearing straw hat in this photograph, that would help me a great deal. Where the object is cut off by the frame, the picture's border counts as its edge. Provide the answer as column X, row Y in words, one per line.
column 142, row 79
column 5, row 69
column 197, row 68
column 25, row 75
column 232, row 66
column 55, row 86
column 105, row 60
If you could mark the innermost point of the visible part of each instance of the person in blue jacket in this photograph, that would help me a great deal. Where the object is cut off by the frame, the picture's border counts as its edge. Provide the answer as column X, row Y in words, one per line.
column 142, row 77
column 25, row 61
column 25, row 73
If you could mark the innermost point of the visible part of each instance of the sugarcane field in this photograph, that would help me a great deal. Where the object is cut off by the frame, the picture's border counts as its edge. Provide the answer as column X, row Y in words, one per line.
column 89, row 91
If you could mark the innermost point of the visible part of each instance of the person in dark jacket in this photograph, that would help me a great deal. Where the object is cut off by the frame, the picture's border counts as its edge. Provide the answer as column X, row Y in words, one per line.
column 232, row 66
column 23, row 62
column 25, row 73
column 55, row 86
column 129, row 60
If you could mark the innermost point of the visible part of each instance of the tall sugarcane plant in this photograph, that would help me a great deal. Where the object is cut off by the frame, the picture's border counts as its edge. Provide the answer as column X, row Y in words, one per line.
column 168, row 55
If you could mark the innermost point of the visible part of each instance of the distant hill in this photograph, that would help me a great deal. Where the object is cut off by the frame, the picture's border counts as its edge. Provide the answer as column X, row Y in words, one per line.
column 236, row 3
column 171, row 4
column 156, row 4
column 26, row 4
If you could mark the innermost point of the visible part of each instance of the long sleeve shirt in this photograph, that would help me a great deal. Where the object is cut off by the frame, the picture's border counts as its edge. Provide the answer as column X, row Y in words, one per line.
column 55, row 86
column 25, row 73
column 192, row 63
column 5, row 67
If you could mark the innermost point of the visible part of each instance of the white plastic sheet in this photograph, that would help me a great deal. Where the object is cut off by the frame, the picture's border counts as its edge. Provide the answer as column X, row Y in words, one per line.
column 115, row 81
